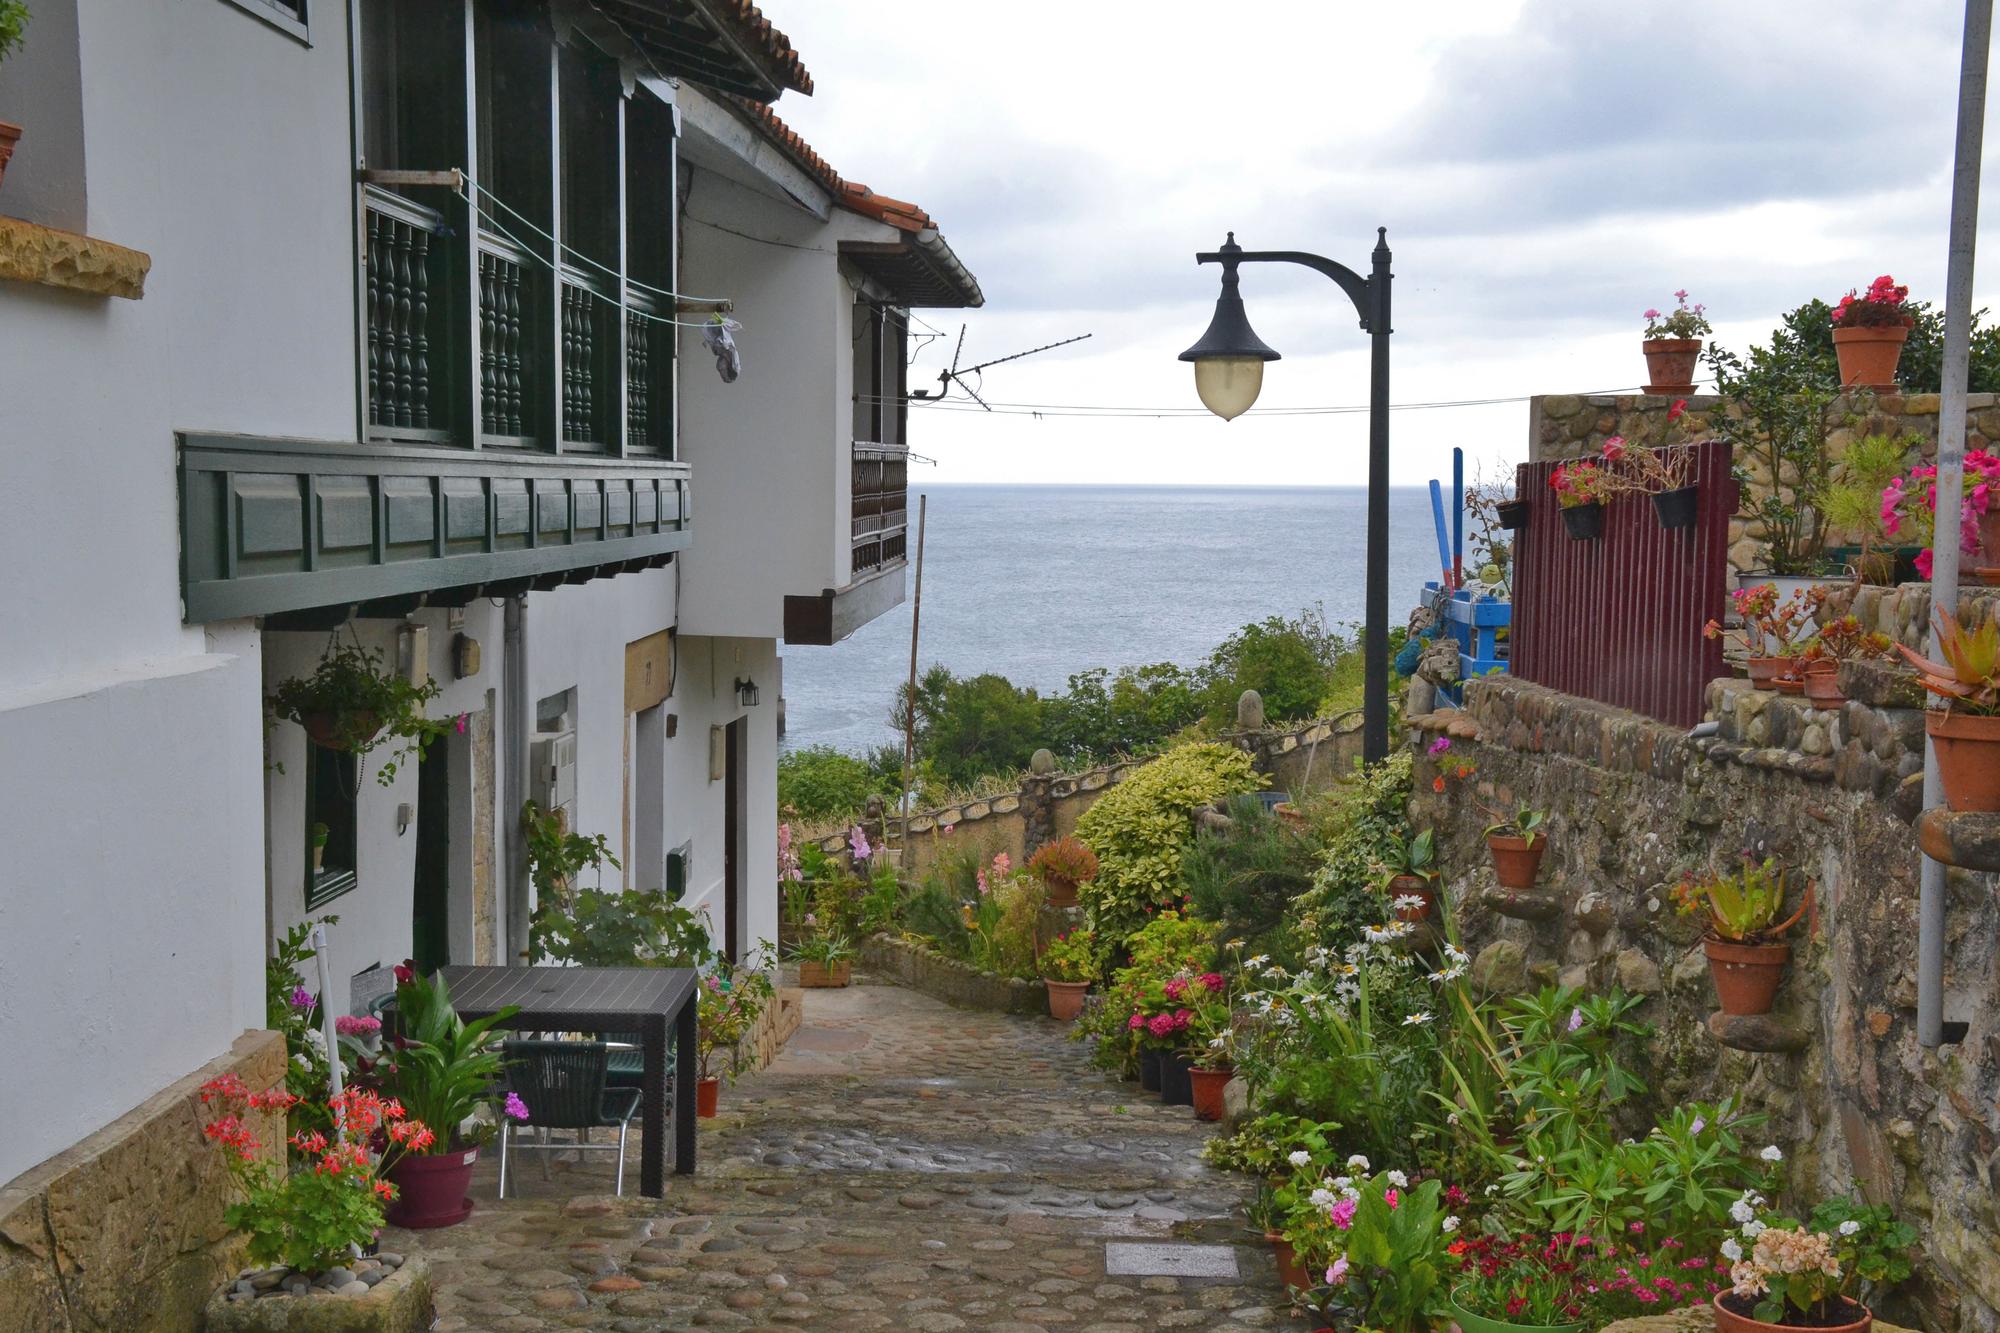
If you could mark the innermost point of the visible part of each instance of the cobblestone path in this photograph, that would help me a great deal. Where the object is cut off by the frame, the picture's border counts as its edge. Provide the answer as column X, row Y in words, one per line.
column 903, row 1165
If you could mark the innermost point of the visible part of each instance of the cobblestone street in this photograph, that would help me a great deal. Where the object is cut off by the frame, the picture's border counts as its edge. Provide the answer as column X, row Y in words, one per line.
column 903, row 1165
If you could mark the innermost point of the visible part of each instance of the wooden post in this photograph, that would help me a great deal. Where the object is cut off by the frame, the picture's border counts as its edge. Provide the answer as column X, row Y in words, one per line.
column 910, row 698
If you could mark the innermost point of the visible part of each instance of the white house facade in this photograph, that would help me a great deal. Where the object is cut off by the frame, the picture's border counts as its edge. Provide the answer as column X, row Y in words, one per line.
column 379, row 323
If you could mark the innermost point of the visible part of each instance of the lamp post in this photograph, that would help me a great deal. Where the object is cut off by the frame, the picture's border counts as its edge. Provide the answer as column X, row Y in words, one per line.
column 1228, row 373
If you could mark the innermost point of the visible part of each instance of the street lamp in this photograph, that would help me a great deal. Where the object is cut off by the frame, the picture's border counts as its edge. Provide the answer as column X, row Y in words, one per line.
column 1228, row 374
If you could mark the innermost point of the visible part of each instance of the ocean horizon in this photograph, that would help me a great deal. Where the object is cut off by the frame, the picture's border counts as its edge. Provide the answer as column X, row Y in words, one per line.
column 1039, row 581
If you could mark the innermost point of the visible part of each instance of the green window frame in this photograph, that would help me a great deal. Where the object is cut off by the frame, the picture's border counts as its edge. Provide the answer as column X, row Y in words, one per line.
column 333, row 799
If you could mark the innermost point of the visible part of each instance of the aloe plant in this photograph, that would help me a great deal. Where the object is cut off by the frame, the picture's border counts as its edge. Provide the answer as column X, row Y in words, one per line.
column 1742, row 907
column 1969, row 676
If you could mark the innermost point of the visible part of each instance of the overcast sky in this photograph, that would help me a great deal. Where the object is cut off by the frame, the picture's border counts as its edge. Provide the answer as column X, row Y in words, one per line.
column 1546, row 168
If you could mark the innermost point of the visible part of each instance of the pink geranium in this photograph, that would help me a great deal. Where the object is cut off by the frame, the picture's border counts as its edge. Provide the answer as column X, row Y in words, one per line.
column 1341, row 1215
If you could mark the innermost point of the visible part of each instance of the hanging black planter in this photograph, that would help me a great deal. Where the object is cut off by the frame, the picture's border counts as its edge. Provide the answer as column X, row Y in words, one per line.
column 1513, row 514
column 1585, row 521
column 1676, row 507
column 1176, row 1088
column 1149, row 1068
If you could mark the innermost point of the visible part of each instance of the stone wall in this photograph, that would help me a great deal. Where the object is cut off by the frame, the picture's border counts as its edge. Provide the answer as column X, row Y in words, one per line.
column 1853, row 1098
column 1570, row 425
column 124, row 1230
column 1296, row 759
column 955, row 982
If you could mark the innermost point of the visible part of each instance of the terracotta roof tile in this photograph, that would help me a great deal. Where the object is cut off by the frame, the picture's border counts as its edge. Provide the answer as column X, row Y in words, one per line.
column 774, row 44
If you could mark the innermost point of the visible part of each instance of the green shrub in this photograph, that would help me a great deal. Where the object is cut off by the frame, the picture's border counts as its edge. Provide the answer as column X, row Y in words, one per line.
column 1246, row 877
column 1140, row 827
column 820, row 782
column 13, row 26
column 1289, row 662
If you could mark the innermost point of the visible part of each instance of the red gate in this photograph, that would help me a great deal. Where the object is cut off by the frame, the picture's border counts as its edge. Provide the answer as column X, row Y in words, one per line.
column 1618, row 618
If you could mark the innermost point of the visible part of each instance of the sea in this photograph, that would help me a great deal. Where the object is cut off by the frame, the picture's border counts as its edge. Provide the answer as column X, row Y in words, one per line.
column 1036, row 583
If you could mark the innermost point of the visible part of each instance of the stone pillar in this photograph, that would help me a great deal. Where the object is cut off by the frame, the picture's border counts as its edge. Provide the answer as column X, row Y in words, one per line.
column 1038, row 810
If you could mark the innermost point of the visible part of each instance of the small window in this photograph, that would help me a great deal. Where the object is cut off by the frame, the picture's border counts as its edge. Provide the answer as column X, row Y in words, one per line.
column 331, row 794
column 285, row 15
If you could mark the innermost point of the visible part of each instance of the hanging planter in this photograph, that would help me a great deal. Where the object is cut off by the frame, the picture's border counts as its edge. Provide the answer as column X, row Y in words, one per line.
column 1516, row 845
column 1513, row 514
column 1585, row 522
column 1676, row 508
column 1968, row 758
column 1868, row 335
column 352, row 704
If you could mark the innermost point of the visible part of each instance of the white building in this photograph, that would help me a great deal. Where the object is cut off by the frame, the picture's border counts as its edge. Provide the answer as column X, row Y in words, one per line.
column 405, row 369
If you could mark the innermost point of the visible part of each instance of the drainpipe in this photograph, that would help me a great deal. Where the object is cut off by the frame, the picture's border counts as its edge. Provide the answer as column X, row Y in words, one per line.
column 514, row 784
column 1951, row 470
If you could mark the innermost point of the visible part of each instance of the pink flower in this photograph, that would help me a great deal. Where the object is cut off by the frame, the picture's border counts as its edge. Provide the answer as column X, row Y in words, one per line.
column 1614, row 448
column 1439, row 746
column 1136, row 1022
column 1341, row 1215
column 1337, row 1275
column 515, row 1109
column 1212, row 981
column 1681, row 295
column 857, row 842
column 1391, row 1198
column 1650, row 314
column 1002, row 863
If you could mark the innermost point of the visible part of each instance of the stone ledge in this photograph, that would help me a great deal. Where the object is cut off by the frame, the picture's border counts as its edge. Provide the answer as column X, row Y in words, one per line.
column 399, row 1303
column 1963, row 838
column 33, row 253
column 1521, row 904
column 926, row 970
column 1757, row 1032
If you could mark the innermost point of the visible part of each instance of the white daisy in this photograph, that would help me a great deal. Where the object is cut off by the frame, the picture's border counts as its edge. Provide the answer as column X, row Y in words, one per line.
column 1414, row 1019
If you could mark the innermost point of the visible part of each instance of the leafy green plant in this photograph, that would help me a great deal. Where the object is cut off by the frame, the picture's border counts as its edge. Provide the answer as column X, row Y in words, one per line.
column 1415, row 856
column 1390, row 1274
column 1139, row 828
column 818, row 782
column 290, row 1008
column 1070, row 957
column 730, row 1001
column 1245, row 876
column 826, row 950
column 13, row 26
column 1744, row 905
column 441, row 1068
column 879, row 903
column 365, row 706
column 598, row 928
column 1853, row 502
column 1802, row 1273
column 1526, row 822
column 1969, row 676
column 556, row 856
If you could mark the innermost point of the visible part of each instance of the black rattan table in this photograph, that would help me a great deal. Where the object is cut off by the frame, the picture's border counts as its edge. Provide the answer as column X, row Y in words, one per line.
column 607, row 999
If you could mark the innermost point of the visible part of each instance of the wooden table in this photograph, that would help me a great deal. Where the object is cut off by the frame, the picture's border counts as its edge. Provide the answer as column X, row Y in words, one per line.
column 607, row 999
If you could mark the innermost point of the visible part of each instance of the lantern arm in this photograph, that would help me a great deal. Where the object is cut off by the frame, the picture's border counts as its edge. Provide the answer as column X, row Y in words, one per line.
column 1359, row 289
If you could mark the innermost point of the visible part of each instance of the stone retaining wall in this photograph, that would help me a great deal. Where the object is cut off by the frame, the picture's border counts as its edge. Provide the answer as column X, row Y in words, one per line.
column 124, row 1229
column 925, row 969
column 1853, row 1098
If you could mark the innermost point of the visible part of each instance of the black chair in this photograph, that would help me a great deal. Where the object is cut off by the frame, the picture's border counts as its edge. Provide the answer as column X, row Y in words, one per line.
column 562, row 1083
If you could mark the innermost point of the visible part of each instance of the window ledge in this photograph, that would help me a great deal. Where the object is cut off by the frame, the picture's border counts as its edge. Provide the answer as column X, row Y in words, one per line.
column 33, row 253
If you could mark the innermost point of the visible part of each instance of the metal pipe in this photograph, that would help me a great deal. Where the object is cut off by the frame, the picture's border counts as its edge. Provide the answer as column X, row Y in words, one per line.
column 1951, row 470
column 514, row 773
column 910, row 698
column 1375, row 641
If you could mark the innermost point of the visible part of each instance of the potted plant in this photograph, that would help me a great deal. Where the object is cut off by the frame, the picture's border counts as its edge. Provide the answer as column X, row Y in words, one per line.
column 13, row 25
column 1061, row 865
column 1661, row 473
column 351, row 703
column 1743, row 940
column 1520, row 1284
column 1511, row 514
column 1839, row 640
column 1966, row 730
column 1856, row 503
column 317, row 1215
column 1390, row 1251
column 1868, row 334
column 1785, row 1273
column 1672, row 345
column 320, row 833
column 1409, row 874
column 1909, row 507
column 441, row 1069
column 727, row 1008
column 1581, row 490
column 826, row 961
column 1770, row 628
column 1067, row 965
column 1211, row 1049
column 1516, row 843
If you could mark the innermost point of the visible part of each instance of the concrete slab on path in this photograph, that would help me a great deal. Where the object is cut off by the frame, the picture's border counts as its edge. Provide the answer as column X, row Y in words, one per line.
column 1130, row 1259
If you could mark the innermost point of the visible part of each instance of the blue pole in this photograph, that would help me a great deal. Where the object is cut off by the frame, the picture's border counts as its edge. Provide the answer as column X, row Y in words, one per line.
column 1444, row 539
column 1457, row 515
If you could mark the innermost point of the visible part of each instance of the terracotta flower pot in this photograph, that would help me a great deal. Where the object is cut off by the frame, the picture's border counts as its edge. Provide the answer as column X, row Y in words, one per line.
column 9, row 136
column 1763, row 670
column 1868, row 356
column 1060, row 892
column 819, row 976
column 431, row 1189
column 1823, row 685
column 334, row 731
column 1968, row 757
column 1208, row 1086
column 1584, row 522
column 1290, row 813
column 1670, row 364
column 1788, row 684
column 1746, row 975
column 1516, row 860
column 1989, row 537
column 707, row 1092
column 1413, row 886
column 1728, row 1321
column 1289, row 1268
column 1066, row 998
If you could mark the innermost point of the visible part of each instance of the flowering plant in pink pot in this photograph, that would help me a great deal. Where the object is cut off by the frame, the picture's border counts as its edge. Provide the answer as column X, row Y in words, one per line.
column 1789, row 1273
column 1672, row 344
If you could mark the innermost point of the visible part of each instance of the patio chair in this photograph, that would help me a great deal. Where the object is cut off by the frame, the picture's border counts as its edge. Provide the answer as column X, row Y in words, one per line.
column 562, row 1083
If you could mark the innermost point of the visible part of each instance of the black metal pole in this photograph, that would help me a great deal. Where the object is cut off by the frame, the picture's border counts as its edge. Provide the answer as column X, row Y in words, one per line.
column 1375, row 638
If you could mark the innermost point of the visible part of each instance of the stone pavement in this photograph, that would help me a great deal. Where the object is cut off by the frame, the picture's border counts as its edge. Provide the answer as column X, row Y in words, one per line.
column 903, row 1165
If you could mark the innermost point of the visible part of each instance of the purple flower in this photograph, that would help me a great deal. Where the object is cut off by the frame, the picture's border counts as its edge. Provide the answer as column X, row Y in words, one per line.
column 301, row 998
column 857, row 842
column 1650, row 314
column 515, row 1108
column 1439, row 746
column 1575, row 1019
column 1697, row 1127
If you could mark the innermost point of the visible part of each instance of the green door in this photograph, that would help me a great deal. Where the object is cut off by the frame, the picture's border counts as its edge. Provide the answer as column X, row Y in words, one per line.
column 430, row 900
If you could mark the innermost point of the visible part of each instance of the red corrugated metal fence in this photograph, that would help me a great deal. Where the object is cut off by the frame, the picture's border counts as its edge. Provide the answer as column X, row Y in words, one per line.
column 1619, row 618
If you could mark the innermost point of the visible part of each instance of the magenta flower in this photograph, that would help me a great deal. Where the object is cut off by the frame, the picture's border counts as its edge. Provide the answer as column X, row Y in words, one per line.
column 516, row 1109
column 1650, row 314
column 857, row 842
column 301, row 998
column 1439, row 746
column 1342, row 1216
column 1575, row 1019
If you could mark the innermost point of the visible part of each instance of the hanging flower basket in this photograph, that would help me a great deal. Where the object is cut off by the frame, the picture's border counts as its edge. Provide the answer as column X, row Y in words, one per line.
column 1513, row 514
column 1585, row 522
column 1676, row 507
column 342, row 731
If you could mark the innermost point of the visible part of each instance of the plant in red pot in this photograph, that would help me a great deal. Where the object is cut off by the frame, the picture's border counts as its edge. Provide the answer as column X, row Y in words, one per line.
column 1516, row 843
column 1839, row 640
column 1673, row 344
column 442, row 1070
column 1770, row 630
column 1061, row 865
column 1068, row 965
column 1868, row 334
column 1744, row 940
column 727, row 1007
column 1409, row 875
column 1787, row 1273
column 13, row 25
column 1211, row 1043
column 1966, row 730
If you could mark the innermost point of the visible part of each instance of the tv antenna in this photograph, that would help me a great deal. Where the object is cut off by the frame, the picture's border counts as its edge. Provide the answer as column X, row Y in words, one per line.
column 947, row 378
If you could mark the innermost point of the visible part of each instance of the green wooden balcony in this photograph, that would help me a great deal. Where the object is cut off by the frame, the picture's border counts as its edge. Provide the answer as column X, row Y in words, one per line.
column 310, row 531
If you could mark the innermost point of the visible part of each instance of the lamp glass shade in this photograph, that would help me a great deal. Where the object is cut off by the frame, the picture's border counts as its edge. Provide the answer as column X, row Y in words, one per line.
column 1229, row 385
